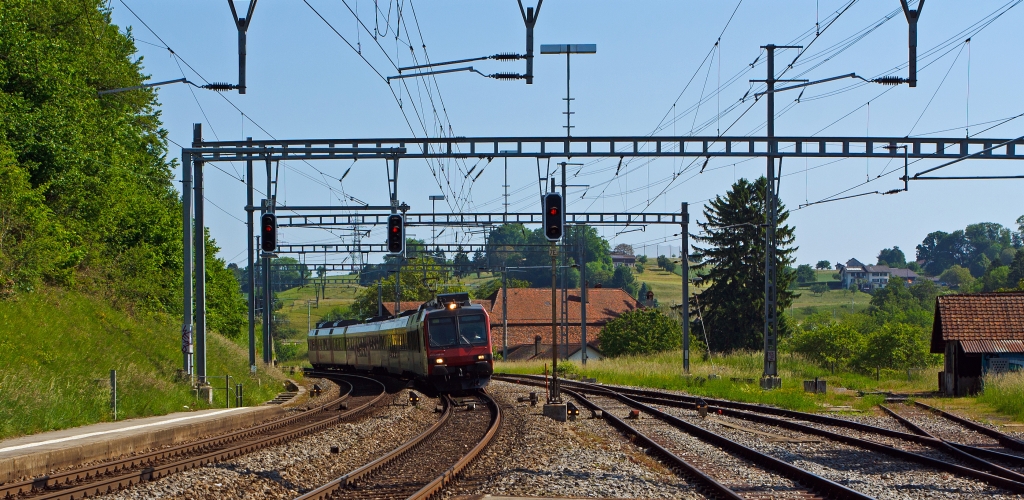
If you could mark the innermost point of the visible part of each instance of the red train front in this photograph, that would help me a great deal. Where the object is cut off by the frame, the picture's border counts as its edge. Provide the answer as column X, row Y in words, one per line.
column 457, row 335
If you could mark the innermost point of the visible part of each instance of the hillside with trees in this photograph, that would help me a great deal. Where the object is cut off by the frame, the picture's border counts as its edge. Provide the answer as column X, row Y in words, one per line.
column 88, row 209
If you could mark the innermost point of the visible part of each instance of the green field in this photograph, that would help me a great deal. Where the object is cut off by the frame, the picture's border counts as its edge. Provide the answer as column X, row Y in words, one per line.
column 58, row 347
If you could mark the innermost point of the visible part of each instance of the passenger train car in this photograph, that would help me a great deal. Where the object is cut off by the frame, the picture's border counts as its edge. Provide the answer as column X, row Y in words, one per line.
column 445, row 345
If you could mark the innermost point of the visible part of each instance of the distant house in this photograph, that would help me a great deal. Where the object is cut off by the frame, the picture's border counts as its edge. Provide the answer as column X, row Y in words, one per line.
column 869, row 277
column 979, row 334
column 621, row 259
column 529, row 317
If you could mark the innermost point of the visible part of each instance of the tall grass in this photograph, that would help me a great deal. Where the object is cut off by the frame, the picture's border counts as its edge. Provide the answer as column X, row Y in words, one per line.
column 736, row 376
column 57, row 349
column 1005, row 393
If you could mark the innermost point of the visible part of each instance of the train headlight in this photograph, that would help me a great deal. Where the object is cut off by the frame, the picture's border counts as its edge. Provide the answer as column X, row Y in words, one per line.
column 439, row 361
column 481, row 357
column 452, row 306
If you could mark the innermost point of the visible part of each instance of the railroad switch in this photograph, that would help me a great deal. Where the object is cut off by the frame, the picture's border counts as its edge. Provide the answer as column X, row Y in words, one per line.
column 634, row 414
column 335, row 450
column 438, row 408
column 702, row 408
column 532, row 399
column 343, row 405
column 414, row 399
column 596, row 414
column 470, row 406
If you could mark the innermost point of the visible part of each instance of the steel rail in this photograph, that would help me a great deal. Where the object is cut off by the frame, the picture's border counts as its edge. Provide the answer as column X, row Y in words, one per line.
column 1004, row 439
column 948, row 447
column 445, row 478
column 675, row 462
column 109, row 485
column 810, row 480
column 762, row 414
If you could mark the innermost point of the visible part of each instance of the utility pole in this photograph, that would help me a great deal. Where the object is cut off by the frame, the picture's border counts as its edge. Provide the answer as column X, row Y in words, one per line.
column 684, row 308
column 251, row 260
column 504, row 314
column 186, row 214
column 583, row 294
column 555, row 396
column 268, row 293
column 770, row 378
column 199, row 243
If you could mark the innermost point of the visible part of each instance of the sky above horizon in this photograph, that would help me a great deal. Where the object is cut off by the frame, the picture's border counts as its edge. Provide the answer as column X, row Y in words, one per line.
column 661, row 67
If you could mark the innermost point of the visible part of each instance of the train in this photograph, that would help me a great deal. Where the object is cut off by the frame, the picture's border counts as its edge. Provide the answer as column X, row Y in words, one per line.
column 444, row 345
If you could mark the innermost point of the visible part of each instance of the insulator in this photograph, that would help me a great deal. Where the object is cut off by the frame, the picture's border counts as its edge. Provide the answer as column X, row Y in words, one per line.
column 891, row 80
column 507, row 56
column 507, row 76
column 219, row 86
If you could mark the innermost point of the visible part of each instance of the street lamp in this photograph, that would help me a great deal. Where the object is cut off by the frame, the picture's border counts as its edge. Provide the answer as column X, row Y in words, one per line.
column 568, row 49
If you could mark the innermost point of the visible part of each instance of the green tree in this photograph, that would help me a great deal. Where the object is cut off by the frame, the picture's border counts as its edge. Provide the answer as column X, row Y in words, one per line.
column 642, row 259
column 995, row 278
column 623, row 278
column 416, row 286
column 804, row 274
column 894, row 297
column 731, row 252
column 895, row 346
column 957, row 277
column 823, row 265
column 623, row 248
column 819, row 288
column 641, row 331
column 1016, row 269
column 925, row 292
column 831, row 344
column 893, row 257
column 227, row 310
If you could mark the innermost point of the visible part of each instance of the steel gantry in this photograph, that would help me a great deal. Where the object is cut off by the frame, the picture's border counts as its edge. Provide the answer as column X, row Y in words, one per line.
column 394, row 150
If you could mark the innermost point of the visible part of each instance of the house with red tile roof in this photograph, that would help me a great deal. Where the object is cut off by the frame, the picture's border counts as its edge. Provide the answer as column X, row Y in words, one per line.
column 529, row 318
column 979, row 334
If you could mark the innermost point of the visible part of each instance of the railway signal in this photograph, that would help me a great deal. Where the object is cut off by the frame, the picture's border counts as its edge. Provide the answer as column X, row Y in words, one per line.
column 396, row 234
column 553, row 216
column 268, row 232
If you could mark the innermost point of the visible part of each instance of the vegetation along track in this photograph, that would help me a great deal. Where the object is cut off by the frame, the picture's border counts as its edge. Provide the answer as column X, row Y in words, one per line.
column 411, row 470
column 854, row 434
column 361, row 394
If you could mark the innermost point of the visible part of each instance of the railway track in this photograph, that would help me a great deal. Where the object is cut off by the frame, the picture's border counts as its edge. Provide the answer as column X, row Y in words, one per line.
column 412, row 469
column 361, row 394
column 902, row 446
column 737, row 473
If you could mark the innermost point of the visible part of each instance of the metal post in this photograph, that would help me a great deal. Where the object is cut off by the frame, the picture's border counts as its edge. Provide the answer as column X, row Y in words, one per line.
column 912, row 17
column 227, row 391
column 268, row 293
column 380, row 298
column 565, row 272
column 252, row 261
column 398, row 289
column 113, row 393
column 308, row 324
column 684, row 308
column 504, row 315
column 769, row 378
column 583, row 294
column 555, row 397
column 568, row 101
column 199, row 243
column 186, row 225
column 530, row 19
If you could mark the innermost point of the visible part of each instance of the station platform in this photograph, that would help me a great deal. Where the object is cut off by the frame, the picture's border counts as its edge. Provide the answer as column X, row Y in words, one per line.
column 30, row 456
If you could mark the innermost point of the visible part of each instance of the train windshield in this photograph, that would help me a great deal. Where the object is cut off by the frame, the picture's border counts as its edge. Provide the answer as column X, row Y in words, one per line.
column 445, row 332
column 473, row 329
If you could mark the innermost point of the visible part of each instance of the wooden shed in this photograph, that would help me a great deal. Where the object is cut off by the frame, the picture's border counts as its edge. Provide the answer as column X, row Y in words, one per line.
column 979, row 334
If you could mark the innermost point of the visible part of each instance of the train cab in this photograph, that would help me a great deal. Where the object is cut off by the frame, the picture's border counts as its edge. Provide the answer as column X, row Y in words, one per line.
column 457, row 335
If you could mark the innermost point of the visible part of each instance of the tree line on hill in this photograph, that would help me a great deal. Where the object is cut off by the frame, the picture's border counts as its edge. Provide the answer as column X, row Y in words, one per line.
column 87, row 200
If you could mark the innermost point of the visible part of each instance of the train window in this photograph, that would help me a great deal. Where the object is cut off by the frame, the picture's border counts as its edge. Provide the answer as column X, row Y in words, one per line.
column 442, row 331
column 473, row 329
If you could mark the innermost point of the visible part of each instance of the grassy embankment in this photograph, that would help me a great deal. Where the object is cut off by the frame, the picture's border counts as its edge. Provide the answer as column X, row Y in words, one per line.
column 57, row 349
column 739, row 374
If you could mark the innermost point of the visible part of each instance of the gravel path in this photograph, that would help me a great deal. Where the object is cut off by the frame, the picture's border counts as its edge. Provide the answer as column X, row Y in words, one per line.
column 296, row 467
column 534, row 456
column 871, row 473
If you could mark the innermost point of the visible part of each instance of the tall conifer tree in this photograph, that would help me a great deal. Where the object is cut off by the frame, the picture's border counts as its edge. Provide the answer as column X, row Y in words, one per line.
column 732, row 307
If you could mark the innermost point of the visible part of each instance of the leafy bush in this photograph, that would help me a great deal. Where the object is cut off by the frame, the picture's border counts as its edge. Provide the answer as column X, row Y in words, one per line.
column 831, row 344
column 640, row 331
column 819, row 288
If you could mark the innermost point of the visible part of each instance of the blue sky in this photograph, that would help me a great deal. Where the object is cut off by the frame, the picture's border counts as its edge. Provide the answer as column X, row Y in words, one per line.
column 305, row 82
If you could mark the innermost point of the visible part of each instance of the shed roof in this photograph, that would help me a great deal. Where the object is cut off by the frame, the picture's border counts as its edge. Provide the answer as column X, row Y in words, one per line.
column 532, row 306
column 977, row 319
